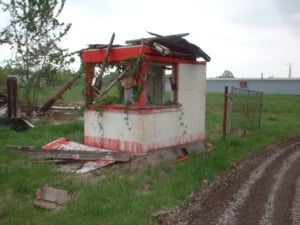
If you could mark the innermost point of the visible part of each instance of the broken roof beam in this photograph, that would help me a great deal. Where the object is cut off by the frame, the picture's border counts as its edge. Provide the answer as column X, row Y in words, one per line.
column 178, row 46
column 71, row 154
column 139, row 41
column 59, row 93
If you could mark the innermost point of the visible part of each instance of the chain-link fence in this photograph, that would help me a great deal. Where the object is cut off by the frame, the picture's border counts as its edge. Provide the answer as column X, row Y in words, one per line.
column 245, row 110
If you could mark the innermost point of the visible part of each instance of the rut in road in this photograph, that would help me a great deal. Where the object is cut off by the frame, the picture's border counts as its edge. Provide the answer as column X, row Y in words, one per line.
column 263, row 189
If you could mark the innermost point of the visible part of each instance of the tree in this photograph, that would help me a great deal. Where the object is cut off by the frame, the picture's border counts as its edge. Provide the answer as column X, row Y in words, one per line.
column 226, row 74
column 34, row 34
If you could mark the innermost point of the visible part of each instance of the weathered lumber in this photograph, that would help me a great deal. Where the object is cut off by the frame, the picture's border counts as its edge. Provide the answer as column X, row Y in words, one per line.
column 112, row 83
column 98, row 80
column 51, row 198
column 58, row 94
column 71, row 154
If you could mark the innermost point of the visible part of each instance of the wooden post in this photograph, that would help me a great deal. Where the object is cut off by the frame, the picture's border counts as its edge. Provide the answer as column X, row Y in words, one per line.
column 12, row 97
column 58, row 95
column 225, row 111
column 99, row 97
column 98, row 81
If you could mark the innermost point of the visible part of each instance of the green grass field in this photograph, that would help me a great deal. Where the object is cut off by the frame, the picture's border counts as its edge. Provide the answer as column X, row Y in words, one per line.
column 119, row 196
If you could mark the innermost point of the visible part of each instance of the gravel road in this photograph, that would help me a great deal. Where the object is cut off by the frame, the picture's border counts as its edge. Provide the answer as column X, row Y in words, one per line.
column 263, row 189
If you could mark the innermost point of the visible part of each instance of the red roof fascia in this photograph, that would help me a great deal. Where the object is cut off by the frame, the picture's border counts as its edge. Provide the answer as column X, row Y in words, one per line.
column 116, row 54
column 124, row 53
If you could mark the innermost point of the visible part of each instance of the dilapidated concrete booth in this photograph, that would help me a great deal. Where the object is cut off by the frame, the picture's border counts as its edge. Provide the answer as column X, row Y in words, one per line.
column 162, row 83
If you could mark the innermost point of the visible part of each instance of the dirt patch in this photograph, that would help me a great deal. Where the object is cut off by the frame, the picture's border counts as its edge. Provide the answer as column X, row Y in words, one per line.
column 262, row 189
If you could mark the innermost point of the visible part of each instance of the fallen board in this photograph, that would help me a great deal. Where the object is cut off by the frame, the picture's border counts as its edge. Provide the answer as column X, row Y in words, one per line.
column 71, row 154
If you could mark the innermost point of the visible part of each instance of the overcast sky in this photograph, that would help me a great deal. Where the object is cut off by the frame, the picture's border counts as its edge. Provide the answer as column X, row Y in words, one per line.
column 246, row 37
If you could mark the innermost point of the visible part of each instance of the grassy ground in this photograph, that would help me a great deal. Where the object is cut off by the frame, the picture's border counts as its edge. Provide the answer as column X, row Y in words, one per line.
column 121, row 196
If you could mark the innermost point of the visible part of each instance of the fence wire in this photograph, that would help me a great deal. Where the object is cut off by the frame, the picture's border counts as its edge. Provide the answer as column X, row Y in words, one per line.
column 245, row 110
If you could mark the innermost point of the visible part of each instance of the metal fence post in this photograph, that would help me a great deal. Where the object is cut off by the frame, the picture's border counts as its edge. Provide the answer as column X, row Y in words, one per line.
column 225, row 110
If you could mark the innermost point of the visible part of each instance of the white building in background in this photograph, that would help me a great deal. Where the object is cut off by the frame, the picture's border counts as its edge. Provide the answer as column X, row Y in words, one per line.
column 287, row 86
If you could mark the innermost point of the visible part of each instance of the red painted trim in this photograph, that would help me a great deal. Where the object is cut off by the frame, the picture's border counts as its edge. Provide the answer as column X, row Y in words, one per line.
column 88, row 79
column 120, row 108
column 179, row 140
column 124, row 53
column 138, row 147
column 114, row 144
column 142, row 99
column 116, row 54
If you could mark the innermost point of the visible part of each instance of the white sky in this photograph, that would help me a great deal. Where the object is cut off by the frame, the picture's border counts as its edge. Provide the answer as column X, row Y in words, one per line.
column 246, row 37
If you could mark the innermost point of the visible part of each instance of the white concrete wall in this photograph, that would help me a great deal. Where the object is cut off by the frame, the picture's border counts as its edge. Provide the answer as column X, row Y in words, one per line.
column 135, row 132
column 192, row 95
column 148, row 129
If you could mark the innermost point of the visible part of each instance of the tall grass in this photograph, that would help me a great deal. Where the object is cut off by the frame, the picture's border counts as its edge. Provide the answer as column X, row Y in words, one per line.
column 118, row 194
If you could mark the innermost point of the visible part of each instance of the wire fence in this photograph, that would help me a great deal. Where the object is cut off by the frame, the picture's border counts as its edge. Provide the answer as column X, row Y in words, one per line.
column 245, row 110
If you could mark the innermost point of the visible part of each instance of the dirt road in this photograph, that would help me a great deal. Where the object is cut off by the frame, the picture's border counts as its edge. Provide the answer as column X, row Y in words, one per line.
column 263, row 189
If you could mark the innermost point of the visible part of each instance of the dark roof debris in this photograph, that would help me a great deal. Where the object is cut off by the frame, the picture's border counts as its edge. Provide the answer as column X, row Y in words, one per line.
column 175, row 44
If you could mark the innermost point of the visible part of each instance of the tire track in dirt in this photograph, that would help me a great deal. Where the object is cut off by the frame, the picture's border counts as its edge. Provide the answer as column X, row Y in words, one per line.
column 230, row 214
column 274, row 194
column 255, row 206
column 260, row 190
column 296, row 203
column 284, row 201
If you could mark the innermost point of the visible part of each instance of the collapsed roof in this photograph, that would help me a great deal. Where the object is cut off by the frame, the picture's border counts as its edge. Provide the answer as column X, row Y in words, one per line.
column 171, row 45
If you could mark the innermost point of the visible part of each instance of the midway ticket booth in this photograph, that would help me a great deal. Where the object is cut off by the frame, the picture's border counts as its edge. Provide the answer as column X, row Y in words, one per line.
column 162, row 83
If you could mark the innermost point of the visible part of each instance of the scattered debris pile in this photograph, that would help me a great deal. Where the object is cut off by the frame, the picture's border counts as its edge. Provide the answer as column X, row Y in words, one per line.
column 3, row 105
column 9, row 117
column 80, row 158
column 63, row 150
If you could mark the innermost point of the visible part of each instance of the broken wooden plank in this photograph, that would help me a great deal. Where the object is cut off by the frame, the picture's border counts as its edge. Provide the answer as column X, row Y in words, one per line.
column 98, row 80
column 139, row 41
column 58, row 94
column 112, row 83
column 50, row 198
column 72, row 154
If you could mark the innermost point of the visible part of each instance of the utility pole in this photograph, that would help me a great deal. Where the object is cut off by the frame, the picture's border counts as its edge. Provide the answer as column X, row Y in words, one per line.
column 290, row 69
